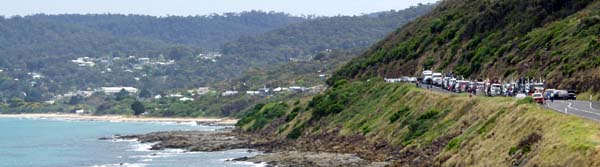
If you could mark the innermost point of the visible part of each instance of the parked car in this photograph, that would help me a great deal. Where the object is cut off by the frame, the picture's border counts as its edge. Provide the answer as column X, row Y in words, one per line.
column 413, row 79
column 538, row 98
column 437, row 79
column 561, row 95
column 496, row 90
column 572, row 95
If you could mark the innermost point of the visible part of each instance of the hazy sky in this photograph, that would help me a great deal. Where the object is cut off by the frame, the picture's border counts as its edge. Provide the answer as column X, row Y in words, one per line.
column 201, row 7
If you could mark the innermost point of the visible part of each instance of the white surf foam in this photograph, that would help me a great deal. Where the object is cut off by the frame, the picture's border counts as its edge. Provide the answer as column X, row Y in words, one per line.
column 122, row 165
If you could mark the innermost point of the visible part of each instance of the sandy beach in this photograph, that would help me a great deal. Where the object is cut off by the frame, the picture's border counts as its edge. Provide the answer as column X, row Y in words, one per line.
column 121, row 118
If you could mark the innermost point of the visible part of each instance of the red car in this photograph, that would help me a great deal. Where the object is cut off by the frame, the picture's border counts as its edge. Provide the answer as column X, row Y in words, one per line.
column 538, row 97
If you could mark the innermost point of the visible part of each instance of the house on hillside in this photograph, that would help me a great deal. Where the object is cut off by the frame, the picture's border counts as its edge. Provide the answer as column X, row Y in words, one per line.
column 264, row 91
column 297, row 89
column 186, row 99
column 280, row 89
column 203, row 90
column 229, row 93
column 253, row 93
column 113, row 90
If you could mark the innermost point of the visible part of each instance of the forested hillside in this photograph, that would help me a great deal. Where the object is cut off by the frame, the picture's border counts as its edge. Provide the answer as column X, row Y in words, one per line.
column 552, row 39
column 306, row 39
column 208, row 32
column 47, row 55
column 48, row 44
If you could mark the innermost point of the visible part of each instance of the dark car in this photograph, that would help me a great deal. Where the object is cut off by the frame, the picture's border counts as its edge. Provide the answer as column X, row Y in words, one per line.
column 572, row 95
column 561, row 95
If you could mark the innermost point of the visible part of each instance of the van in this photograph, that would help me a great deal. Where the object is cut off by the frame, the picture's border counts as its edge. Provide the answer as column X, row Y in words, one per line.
column 427, row 77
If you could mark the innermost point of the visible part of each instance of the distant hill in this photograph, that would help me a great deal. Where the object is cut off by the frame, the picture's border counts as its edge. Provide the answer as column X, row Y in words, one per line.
column 46, row 44
column 208, row 32
column 306, row 39
column 128, row 50
column 556, row 40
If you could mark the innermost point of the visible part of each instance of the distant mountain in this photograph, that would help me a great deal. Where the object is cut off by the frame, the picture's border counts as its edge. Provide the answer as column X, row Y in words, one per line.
column 81, row 52
column 306, row 39
column 47, row 44
column 208, row 32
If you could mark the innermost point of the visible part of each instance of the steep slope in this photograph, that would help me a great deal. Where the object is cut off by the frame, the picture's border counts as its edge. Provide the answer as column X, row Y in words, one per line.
column 552, row 39
column 414, row 127
column 379, row 121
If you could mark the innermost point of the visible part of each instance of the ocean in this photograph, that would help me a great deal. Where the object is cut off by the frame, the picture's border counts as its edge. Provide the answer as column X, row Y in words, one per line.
column 30, row 142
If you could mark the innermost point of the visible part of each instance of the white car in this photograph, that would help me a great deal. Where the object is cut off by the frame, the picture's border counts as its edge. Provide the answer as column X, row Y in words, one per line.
column 437, row 78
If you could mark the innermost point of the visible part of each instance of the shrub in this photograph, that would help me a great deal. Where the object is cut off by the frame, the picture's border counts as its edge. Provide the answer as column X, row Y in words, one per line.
column 527, row 100
column 296, row 132
column 399, row 114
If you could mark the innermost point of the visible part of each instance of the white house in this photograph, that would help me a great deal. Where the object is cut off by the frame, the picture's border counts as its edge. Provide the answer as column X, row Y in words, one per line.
column 280, row 89
column 297, row 89
column 111, row 90
column 203, row 90
column 229, row 93
column 186, row 99
column 85, row 93
column 175, row 95
column 264, row 91
column 80, row 111
column 253, row 93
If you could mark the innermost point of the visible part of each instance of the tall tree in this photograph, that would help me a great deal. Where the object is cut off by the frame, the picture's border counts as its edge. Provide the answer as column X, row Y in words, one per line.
column 138, row 108
column 122, row 95
column 145, row 94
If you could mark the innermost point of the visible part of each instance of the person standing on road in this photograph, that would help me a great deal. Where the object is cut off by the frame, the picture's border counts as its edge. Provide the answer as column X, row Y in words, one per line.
column 552, row 97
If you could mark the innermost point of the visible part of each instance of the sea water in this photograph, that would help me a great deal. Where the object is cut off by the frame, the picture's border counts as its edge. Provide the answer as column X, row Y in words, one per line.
column 26, row 142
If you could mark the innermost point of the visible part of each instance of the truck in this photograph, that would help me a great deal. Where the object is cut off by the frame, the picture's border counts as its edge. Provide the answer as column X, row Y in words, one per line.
column 427, row 77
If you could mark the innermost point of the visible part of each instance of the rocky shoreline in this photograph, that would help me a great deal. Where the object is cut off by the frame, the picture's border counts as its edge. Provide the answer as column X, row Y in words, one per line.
column 276, row 153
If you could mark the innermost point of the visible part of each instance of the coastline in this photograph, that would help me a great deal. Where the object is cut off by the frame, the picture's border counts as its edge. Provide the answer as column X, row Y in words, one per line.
column 122, row 118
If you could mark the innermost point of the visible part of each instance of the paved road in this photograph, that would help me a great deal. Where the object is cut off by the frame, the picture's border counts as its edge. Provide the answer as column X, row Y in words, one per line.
column 585, row 109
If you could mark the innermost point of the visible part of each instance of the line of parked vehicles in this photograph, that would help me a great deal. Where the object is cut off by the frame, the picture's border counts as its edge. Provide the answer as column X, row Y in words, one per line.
column 521, row 88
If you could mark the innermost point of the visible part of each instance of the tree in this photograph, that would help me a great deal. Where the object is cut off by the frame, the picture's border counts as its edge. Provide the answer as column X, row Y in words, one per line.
column 138, row 108
column 75, row 100
column 33, row 95
column 145, row 94
column 16, row 102
column 121, row 95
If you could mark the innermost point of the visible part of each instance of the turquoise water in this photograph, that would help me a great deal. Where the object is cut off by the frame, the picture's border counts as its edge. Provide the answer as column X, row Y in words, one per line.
column 26, row 142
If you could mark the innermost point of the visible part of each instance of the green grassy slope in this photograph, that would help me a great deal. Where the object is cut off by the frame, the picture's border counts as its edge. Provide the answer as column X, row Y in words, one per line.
column 556, row 40
column 416, row 127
